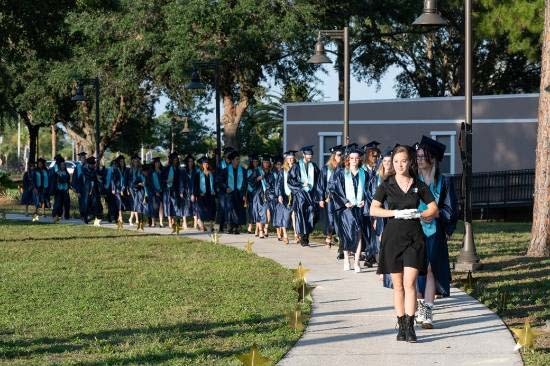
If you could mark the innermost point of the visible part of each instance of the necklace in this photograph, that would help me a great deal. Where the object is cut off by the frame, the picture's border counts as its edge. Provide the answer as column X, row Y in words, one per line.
column 407, row 185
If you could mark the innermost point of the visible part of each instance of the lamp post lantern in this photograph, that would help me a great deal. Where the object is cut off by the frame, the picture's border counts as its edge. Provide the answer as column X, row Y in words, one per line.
column 196, row 84
column 468, row 259
column 320, row 57
column 80, row 97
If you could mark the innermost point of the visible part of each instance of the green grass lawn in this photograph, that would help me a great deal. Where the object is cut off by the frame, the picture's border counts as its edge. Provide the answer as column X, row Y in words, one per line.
column 94, row 296
column 506, row 270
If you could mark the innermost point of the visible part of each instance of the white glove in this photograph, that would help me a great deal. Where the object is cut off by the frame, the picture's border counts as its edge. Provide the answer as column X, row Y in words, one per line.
column 407, row 214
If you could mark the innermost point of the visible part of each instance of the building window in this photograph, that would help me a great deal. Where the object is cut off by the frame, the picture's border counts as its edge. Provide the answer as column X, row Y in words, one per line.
column 326, row 141
column 447, row 138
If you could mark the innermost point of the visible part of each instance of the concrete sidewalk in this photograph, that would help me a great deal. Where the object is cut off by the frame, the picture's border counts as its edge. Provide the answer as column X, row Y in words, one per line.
column 353, row 321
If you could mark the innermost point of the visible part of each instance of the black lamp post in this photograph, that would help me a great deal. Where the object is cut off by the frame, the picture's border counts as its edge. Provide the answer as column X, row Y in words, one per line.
column 321, row 58
column 196, row 84
column 80, row 97
column 468, row 259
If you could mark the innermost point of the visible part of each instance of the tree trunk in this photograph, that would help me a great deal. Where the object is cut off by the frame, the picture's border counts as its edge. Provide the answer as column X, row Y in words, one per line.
column 54, row 141
column 33, row 141
column 540, row 232
column 232, row 114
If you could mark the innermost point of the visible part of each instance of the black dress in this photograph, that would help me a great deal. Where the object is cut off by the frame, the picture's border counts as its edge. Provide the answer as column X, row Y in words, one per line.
column 402, row 242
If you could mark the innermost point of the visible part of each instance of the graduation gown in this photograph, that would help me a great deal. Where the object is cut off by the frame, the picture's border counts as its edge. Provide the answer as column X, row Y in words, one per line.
column 26, row 194
column 233, row 201
column 171, row 195
column 281, row 214
column 118, row 188
column 91, row 190
column 305, row 201
column 138, row 189
column 259, row 195
column 62, row 202
column 437, row 250
column 154, row 190
column 348, row 220
column 372, row 244
column 326, row 214
column 41, row 187
column 204, row 190
column 187, row 187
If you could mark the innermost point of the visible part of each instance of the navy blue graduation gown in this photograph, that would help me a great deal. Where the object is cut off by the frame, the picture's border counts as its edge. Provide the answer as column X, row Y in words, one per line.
column 91, row 192
column 281, row 214
column 326, row 214
column 187, row 187
column 154, row 188
column 437, row 250
column 26, row 194
column 171, row 195
column 233, row 204
column 305, row 202
column 205, row 198
column 348, row 220
column 259, row 195
column 62, row 202
column 41, row 187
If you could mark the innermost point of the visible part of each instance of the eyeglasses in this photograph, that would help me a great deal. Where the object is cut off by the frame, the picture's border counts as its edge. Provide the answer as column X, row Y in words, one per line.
column 420, row 157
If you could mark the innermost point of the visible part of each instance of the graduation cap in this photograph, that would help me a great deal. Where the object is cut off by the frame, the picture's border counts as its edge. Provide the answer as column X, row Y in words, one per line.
column 189, row 157
column 91, row 160
column 415, row 146
column 338, row 148
column 173, row 156
column 387, row 152
column 266, row 158
column 233, row 154
column 353, row 148
column 41, row 160
column 82, row 153
column 203, row 160
column 435, row 148
column 59, row 159
column 252, row 156
column 307, row 150
column 136, row 157
column 157, row 159
column 277, row 159
column 146, row 167
column 290, row 153
column 120, row 157
column 371, row 145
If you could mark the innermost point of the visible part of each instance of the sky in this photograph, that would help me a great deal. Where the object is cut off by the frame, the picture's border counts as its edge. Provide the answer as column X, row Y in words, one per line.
column 328, row 85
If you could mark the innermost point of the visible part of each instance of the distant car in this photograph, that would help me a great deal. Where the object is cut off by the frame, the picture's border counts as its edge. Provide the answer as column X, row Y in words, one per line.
column 68, row 163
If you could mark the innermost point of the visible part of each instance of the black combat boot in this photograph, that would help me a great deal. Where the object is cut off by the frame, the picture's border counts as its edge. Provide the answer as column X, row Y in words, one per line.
column 401, row 331
column 410, row 335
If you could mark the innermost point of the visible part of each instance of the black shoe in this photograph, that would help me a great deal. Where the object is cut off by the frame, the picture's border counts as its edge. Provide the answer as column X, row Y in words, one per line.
column 340, row 255
column 236, row 230
column 401, row 331
column 410, row 335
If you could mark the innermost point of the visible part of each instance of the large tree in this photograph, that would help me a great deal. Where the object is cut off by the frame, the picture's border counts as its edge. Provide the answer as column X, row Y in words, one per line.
column 540, row 234
column 252, row 39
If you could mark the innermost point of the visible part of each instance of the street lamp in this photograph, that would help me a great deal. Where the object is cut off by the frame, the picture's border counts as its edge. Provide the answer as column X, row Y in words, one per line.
column 196, row 84
column 80, row 97
column 468, row 259
column 321, row 58
column 185, row 129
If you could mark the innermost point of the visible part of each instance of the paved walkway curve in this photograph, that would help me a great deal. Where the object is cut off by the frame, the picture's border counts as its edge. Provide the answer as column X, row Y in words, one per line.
column 353, row 322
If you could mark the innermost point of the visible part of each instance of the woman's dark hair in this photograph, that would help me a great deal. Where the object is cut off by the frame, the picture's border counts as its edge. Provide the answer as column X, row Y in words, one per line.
column 431, row 159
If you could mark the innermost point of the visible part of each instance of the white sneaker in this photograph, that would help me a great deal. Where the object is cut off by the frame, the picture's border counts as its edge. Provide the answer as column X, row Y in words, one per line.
column 428, row 317
column 346, row 265
column 357, row 267
column 420, row 312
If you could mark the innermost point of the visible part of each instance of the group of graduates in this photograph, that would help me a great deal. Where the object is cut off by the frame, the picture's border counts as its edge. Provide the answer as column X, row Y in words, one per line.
column 280, row 192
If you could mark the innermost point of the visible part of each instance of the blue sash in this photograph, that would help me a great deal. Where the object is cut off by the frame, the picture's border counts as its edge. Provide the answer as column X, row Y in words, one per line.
column 351, row 196
column 108, row 177
column 231, row 178
column 170, row 180
column 203, row 183
column 156, row 181
column 62, row 186
column 430, row 228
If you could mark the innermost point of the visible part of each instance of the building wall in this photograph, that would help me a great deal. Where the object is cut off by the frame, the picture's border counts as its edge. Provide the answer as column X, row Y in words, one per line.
column 504, row 127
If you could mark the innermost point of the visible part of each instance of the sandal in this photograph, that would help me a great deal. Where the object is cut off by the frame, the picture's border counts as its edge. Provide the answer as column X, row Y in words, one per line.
column 285, row 240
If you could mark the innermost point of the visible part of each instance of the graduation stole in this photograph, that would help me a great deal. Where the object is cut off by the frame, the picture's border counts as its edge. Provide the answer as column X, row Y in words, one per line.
column 353, row 198
column 62, row 184
column 170, row 179
column 329, row 174
column 231, row 178
column 203, row 183
column 307, row 177
column 261, row 172
column 285, row 183
column 430, row 228
column 156, row 181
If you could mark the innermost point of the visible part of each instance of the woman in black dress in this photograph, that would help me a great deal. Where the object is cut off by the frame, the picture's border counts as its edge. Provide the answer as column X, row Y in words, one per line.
column 402, row 250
